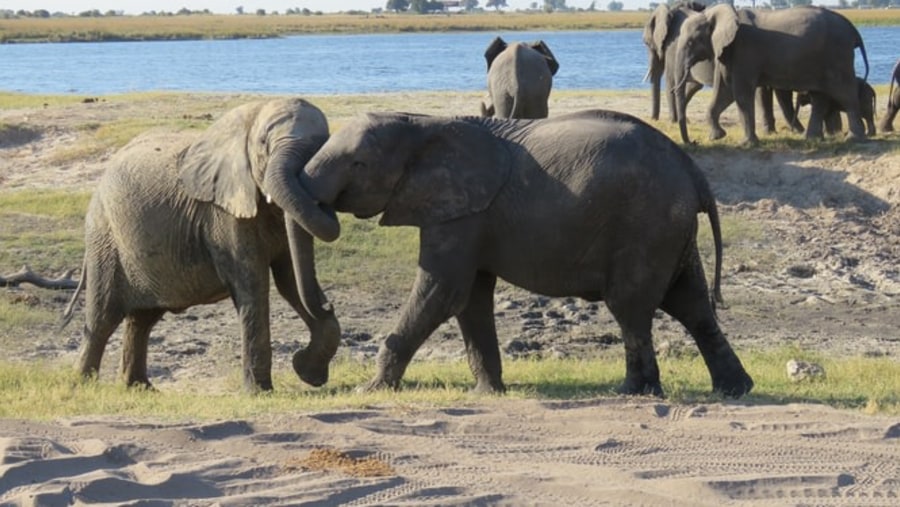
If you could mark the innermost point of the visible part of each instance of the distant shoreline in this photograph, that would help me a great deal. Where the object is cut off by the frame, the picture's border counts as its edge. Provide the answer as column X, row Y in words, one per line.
column 224, row 26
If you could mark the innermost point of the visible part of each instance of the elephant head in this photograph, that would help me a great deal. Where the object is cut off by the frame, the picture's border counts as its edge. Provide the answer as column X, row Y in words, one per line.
column 498, row 45
column 660, row 32
column 252, row 156
column 415, row 170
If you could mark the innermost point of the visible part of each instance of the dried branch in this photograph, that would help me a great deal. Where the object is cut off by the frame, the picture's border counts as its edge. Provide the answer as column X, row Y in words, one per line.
column 26, row 275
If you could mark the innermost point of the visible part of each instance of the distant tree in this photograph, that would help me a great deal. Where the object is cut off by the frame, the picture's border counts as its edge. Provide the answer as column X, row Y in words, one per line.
column 260, row 12
column 797, row 3
column 239, row 9
column 615, row 6
column 470, row 5
column 592, row 7
column 425, row 6
column 41, row 13
column 496, row 4
column 533, row 6
column 397, row 5
column 554, row 5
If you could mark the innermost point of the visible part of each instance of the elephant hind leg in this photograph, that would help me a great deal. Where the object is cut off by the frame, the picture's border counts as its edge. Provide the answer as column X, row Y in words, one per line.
column 135, row 340
column 476, row 322
column 687, row 301
column 103, row 314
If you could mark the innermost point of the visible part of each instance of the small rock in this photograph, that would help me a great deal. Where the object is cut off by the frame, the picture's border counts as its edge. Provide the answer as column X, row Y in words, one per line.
column 801, row 271
column 798, row 370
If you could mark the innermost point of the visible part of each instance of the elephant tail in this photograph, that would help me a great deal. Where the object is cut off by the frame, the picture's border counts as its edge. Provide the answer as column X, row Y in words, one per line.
column 862, row 50
column 70, row 308
column 708, row 206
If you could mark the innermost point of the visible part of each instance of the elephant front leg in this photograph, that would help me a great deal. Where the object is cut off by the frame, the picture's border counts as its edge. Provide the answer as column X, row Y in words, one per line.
column 744, row 99
column 433, row 300
column 476, row 322
column 250, row 294
column 722, row 98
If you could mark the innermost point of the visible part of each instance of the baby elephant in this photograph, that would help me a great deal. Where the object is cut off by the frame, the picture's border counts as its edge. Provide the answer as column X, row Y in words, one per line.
column 176, row 222
column 519, row 79
column 893, row 105
column 831, row 110
column 594, row 204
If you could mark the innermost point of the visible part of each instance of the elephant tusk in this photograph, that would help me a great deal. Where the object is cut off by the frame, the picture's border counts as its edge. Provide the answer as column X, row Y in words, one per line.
column 268, row 199
column 646, row 76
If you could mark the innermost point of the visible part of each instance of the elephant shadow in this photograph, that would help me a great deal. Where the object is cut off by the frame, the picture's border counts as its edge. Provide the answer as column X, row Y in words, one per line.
column 796, row 178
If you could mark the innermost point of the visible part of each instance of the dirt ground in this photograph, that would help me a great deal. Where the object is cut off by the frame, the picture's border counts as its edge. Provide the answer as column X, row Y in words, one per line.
column 817, row 266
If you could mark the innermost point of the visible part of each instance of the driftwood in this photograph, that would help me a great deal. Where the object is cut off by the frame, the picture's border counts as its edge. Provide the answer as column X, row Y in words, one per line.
column 26, row 275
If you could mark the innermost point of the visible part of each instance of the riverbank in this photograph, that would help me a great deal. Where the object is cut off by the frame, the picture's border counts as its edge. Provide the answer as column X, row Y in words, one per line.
column 224, row 26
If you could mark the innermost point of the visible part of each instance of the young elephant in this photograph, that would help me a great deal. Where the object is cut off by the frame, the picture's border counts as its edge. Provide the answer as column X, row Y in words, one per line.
column 176, row 223
column 519, row 79
column 595, row 204
column 887, row 123
column 831, row 110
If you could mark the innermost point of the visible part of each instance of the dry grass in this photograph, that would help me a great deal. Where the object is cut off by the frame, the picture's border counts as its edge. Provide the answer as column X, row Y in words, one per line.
column 221, row 26
column 332, row 459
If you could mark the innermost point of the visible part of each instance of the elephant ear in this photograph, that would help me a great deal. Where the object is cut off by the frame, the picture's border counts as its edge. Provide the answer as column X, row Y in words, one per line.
column 724, row 23
column 543, row 49
column 497, row 46
column 216, row 167
column 457, row 171
column 656, row 30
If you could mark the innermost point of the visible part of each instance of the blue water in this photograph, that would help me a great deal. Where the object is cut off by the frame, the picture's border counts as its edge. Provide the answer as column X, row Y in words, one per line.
column 325, row 64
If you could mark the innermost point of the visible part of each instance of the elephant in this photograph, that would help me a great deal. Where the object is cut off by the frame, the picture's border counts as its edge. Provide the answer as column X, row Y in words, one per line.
column 893, row 105
column 176, row 222
column 595, row 204
column 519, row 78
column 660, row 36
column 660, row 33
column 831, row 110
column 802, row 48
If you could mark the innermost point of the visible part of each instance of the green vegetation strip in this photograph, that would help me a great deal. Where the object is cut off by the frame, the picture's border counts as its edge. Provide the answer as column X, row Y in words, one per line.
column 222, row 26
column 43, row 391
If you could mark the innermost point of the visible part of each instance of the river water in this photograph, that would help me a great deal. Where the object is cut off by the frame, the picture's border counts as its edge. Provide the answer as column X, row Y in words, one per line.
column 342, row 64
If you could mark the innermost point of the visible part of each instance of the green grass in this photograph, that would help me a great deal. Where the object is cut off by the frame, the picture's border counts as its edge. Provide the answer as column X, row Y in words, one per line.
column 42, row 228
column 47, row 391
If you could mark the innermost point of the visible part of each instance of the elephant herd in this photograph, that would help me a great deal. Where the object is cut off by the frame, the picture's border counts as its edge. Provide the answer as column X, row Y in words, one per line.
column 594, row 204
column 747, row 54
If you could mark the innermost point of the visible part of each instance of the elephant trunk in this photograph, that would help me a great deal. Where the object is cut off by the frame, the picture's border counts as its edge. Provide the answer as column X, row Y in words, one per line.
column 282, row 185
column 682, row 73
column 302, row 218
column 654, row 75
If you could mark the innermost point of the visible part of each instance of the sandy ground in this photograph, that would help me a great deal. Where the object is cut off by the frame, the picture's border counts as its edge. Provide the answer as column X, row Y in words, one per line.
column 819, row 271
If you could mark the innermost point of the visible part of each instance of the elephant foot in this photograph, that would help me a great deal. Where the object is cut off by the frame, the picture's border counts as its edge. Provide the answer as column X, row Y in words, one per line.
column 887, row 128
column 310, row 367
column 716, row 132
column 487, row 387
column 142, row 385
column 379, row 383
column 641, row 388
column 750, row 142
column 733, row 386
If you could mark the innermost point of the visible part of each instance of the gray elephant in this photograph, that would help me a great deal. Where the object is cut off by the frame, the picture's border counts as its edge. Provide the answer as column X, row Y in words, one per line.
column 594, row 204
column 519, row 78
column 831, row 110
column 802, row 48
column 176, row 223
column 893, row 105
column 661, row 35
